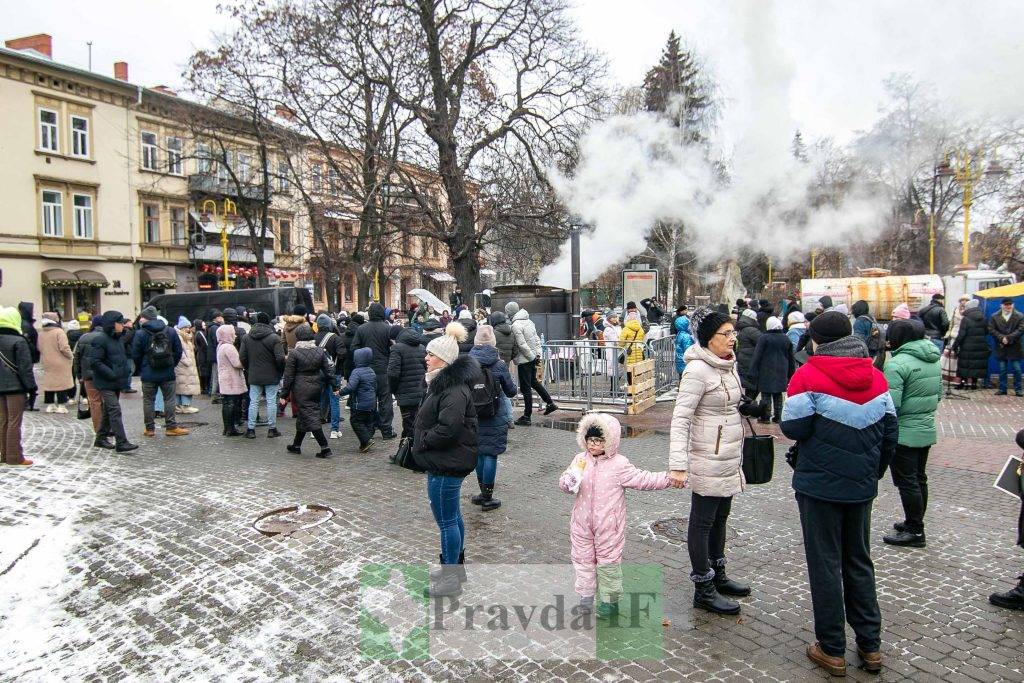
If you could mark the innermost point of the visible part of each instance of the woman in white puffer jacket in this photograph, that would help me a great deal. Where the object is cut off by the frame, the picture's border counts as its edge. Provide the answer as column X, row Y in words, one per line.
column 706, row 451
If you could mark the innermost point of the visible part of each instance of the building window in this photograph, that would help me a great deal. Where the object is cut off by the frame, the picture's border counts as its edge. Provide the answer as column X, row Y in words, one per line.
column 285, row 228
column 223, row 163
column 83, row 216
column 177, row 226
column 316, row 177
column 79, row 136
column 53, row 214
column 282, row 176
column 243, row 168
column 151, row 223
column 149, row 151
column 204, row 160
column 174, row 155
column 48, row 134
column 332, row 182
column 423, row 246
column 435, row 248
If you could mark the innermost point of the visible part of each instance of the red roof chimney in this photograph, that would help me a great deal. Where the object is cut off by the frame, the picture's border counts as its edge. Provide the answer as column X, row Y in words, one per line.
column 121, row 71
column 41, row 42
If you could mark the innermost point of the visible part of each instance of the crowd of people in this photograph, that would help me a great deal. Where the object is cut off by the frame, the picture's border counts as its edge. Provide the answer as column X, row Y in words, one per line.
column 858, row 399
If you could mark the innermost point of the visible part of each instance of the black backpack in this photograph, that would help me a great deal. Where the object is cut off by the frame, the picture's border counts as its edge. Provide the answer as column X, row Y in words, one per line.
column 486, row 394
column 875, row 341
column 159, row 355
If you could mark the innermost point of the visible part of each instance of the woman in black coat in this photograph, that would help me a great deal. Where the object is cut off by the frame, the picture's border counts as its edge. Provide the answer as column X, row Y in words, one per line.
column 202, row 344
column 746, row 343
column 445, row 445
column 405, row 375
column 306, row 371
column 772, row 366
column 971, row 346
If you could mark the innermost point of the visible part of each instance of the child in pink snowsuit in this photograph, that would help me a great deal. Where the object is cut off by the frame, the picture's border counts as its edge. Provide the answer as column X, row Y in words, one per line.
column 598, row 525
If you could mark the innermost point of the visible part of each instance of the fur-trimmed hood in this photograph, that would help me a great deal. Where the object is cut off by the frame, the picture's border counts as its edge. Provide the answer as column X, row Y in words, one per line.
column 608, row 425
column 462, row 371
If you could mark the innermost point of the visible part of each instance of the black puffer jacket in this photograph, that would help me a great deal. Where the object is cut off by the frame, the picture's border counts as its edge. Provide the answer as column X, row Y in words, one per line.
column 936, row 322
column 80, row 364
column 445, row 440
column 773, row 362
column 746, row 344
column 28, row 330
column 305, row 372
column 503, row 335
column 262, row 355
column 15, row 349
column 347, row 340
column 373, row 335
column 466, row 346
column 406, row 368
column 971, row 346
column 107, row 361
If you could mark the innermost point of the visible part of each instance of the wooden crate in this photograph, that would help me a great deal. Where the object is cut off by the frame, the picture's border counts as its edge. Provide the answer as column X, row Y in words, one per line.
column 639, row 407
column 641, row 387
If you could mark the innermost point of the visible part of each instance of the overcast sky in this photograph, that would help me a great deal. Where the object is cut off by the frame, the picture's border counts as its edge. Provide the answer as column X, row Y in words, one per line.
column 831, row 54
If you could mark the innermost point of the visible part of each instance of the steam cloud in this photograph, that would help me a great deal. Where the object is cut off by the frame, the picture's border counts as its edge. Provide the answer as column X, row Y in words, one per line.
column 635, row 171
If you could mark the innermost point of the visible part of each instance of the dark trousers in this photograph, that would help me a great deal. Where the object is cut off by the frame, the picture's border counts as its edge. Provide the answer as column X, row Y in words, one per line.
column 12, row 408
column 408, row 419
column 837, row 546
column 317, row 433
column 911, row 478
column 705, row 534
column 364, row 423
column 149, row 390
column 57, row 396
column 527, row 381
column 776, row 404
column 231, row 411
column 112, row 424
column 385, row 406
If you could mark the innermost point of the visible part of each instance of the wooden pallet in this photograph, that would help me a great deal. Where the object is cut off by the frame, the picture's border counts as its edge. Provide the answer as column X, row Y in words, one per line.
column 642, row 386
column 640, row 406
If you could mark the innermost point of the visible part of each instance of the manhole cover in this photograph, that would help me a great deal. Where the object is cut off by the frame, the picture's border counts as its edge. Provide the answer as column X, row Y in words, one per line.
column 291, row 519
column 674, row 529
column 191, row 425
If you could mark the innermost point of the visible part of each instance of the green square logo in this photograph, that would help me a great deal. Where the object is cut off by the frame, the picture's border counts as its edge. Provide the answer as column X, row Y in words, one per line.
column 393, row 611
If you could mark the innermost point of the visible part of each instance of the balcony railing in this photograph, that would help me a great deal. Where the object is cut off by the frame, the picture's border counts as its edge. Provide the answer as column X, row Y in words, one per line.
column 205, row 183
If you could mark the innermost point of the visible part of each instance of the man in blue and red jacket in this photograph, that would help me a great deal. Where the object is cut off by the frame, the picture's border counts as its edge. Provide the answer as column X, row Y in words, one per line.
column 842, row 417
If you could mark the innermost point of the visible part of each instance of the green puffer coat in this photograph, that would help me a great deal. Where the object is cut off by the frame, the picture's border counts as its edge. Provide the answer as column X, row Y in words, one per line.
column 915, row 384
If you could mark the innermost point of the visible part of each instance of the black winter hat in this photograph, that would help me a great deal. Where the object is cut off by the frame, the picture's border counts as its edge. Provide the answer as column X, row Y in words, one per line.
column 859, row 308
column 741, row 303
column 299, row 310
column 431, row 325
column 708, row 326
column 901, row 332
column 829, row 327
column 262, row 317
column 394, row 331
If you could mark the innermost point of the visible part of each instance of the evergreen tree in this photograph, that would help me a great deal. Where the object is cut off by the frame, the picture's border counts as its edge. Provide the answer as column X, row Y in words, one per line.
column 677, row 86
column 799, row 148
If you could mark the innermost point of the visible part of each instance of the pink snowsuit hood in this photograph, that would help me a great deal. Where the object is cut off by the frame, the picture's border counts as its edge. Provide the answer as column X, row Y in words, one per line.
column 226, row 334
column 608, row 425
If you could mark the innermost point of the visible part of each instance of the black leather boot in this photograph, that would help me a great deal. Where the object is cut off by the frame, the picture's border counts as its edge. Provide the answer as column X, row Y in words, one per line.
column 479, row 498
column 489, row 502
column 705, row 596
column 726, row 586
column 435, row 574
column 1011, row 599
column 447, row 583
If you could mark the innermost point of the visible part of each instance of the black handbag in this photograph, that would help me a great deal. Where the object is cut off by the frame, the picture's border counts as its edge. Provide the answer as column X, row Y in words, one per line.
column 86, row 412
column 758, row 456
column 403, row 456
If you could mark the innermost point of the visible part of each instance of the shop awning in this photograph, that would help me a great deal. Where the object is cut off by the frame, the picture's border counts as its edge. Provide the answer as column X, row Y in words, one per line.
column 57, row 277
column 439, row 276
column 211, row 224
column 157, row 278
column 90, row 278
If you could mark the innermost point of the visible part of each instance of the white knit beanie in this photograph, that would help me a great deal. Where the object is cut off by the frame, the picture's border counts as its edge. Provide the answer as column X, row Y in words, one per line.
column 773, row 323
column 446, row 347
column 464, row 314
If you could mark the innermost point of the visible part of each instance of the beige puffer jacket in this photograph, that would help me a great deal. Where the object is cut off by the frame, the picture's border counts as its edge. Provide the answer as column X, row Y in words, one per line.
column 707, row 434
column 186, row 374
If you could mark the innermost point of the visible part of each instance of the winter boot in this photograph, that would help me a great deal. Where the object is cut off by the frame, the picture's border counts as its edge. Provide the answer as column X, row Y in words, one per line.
column 607, row 610
column 102, row 442
column 550, row 408
column 726, row 586
column 706, row 596
column 447, row 583
column 489, row 502
column 524, row 421
column 292, row 448
column 435, row 575
column 325, row 453
column 1011, row 599
column 272, row 433
column 586, row 604
column 906, row 538
column 250, row 433
column 479, row 498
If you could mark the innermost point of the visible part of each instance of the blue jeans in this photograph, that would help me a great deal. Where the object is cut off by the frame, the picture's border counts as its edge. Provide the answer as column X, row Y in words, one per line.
column 182, row 400
column 443, row 492
column 505, row 409
column 486, row 469
column 158, row 403
column 1011, row 366
column 255, row 392
column 939, row 344
column 328, row 397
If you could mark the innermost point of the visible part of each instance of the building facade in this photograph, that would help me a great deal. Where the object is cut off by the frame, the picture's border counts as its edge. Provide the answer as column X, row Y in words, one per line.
column 111, row 198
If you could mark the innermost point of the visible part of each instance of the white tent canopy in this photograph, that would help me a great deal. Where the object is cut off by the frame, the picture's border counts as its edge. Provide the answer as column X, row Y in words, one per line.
column 428, row 298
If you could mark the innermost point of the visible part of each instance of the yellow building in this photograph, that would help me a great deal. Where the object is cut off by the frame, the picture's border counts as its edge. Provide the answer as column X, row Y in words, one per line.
column 104, row 188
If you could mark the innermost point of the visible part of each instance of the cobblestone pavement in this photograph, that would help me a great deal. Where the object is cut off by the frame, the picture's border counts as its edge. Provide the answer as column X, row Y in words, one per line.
column 146, row 566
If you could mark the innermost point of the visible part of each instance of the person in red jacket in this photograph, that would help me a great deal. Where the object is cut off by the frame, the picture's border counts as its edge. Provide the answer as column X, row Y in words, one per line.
column 841, row 415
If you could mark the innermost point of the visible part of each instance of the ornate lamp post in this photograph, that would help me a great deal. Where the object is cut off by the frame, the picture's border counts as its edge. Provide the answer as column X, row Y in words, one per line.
column 968, row 171
column 229, row 208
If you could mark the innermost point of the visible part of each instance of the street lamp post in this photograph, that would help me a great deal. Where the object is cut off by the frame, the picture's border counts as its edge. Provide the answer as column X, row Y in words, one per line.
column 575, row 228
column 229, row 208
column 968, row 172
